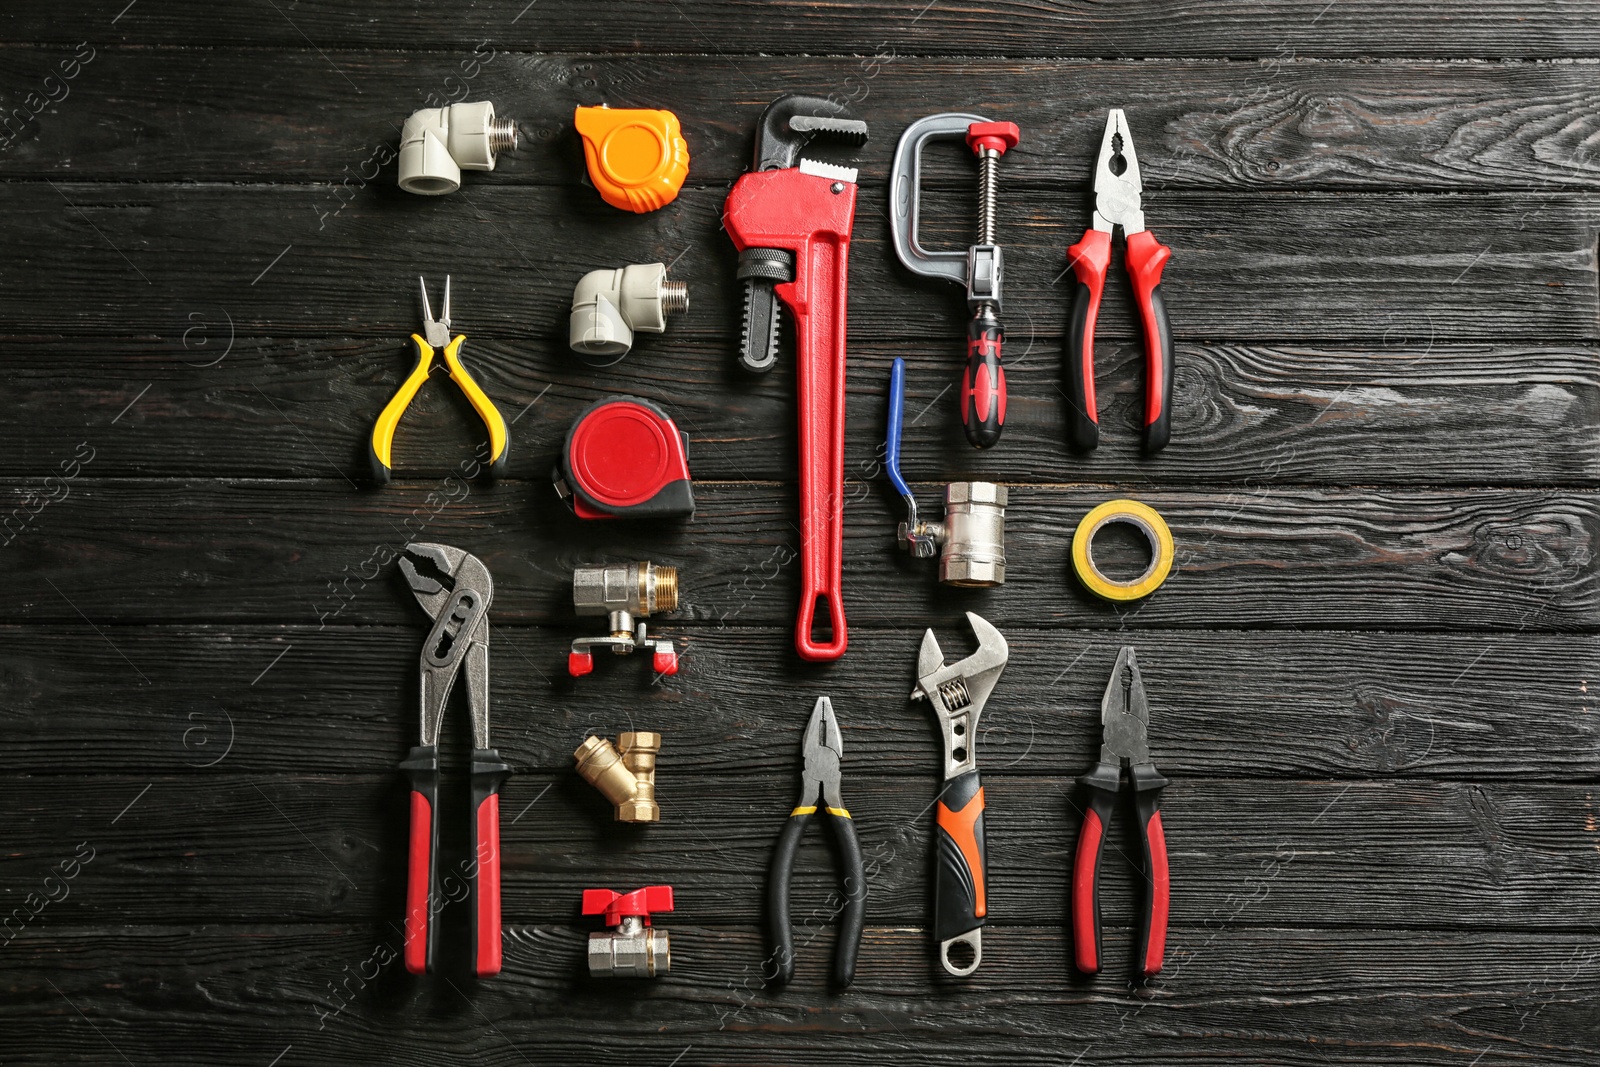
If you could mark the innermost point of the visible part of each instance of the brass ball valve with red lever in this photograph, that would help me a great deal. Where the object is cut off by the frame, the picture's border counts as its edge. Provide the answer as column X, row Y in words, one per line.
column 634, row 949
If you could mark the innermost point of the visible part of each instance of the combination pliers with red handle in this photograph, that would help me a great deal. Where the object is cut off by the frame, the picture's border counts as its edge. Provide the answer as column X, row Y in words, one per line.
column 1117, row 191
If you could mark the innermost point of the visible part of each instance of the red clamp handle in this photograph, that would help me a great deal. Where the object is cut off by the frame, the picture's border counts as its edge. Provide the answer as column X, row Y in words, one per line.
column 998, row 136
column 616, row 906
column 810, row 216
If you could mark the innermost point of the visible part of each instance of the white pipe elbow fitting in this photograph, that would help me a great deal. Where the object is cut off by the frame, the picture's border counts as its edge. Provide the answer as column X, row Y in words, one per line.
column 608, row 306
column 438, row 143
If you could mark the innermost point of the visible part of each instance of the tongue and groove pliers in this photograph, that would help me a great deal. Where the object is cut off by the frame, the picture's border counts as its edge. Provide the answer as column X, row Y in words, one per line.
column 435, row 336
column 454, row 588
column 819, row 779
column 1125, row 743
column 1117, row 191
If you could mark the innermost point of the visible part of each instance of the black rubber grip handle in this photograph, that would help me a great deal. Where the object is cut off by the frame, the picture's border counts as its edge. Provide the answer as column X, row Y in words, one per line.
column 781, row 937
column 421, row 768
column 1083, row 426
column 489, row 772
column 1158, row 373
column 960, row 898
column 1147, row 786
column 853, row 916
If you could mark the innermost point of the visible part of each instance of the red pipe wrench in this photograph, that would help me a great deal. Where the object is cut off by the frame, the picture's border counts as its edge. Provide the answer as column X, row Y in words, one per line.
column 790, row 219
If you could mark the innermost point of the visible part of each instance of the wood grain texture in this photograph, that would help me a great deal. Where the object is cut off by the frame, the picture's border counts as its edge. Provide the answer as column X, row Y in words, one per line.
column 1284, row 995
column 113, row 260
column 296, row 848
column 1370, row 676
column 318, row 553
column 243, row 114
column 223, row 404
column 252, row 699
column 1209, row 28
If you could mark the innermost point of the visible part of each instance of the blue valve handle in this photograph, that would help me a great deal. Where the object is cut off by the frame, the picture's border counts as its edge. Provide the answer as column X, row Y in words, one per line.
column 897, row 402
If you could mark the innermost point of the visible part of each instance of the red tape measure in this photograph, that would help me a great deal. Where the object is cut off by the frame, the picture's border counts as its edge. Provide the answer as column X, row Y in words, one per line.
column 625, row 459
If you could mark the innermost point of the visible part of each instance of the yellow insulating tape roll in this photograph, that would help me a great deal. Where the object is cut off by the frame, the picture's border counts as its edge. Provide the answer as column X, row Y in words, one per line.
column 1142, row 517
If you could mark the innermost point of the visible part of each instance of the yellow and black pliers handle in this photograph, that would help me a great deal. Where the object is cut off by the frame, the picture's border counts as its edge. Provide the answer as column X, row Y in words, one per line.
column 381, row 445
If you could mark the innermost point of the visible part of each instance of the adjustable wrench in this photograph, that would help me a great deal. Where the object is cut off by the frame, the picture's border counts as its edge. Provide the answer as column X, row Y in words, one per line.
column 790, row 219
column 958, row 692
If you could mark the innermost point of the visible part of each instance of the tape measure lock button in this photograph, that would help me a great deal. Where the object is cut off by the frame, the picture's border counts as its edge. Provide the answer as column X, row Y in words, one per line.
column 626, row 458
column 1144, row 519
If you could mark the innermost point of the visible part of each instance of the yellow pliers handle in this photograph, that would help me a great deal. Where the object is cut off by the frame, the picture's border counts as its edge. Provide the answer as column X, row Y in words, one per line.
column 381, row 444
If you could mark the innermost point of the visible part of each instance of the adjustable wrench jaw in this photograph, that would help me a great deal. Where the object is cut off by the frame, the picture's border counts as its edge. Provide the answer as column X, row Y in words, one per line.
column 455, row 589
column 958, row 691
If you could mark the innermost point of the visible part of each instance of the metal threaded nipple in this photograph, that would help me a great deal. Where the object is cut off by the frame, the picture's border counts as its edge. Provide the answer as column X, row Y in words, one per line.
column 666, row 588
column 503, row 135
column 674, row 297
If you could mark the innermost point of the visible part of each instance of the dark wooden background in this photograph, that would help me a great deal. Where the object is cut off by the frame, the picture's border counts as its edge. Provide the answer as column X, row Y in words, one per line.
column 1370, row 673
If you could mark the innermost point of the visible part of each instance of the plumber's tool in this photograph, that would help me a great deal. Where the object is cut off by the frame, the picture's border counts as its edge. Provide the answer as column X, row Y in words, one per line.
column 438, row 143
column 980, row 268
column 973, row 532
column 1124, row 722
column 625, row 593
column 624, row 458
column 634, row 949
column 455, row 590
column 790, row 219
column 625, row 772
column 1141, row 517
column 1117, row 191
column 435, row 336
column 637, row 157
column 819, row 777
column 610, row 306
column 958, row 692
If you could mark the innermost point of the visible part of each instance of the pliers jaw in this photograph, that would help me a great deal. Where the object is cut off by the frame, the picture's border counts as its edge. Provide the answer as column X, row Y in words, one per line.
column 435, row 331
column 822, row 752
column 455, row 589
column 1125, row 714
column 1117, row 186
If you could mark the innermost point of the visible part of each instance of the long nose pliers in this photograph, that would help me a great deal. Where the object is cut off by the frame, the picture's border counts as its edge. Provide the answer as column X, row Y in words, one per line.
column 454, row 588
column 1117, row 191
column 1125, row 743
column 435, row 336
column 819, row 779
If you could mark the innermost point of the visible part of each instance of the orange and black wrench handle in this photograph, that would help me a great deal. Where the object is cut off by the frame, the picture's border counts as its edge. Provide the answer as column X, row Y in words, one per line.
column 810, row 216
column 1090, row 260
column 983, row 385
column 425, row 894
column 960, row 893
column 1100, row 788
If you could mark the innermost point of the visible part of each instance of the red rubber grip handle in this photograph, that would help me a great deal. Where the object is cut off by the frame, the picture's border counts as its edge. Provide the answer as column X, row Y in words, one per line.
column 1086, row 894
column 487, row 890
column 1158, row 900
column 1146, row 258
column 419, row 884
column 1090, row 260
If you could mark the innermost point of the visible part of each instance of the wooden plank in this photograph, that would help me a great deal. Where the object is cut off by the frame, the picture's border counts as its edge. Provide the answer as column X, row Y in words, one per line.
column 248, row 114
column 333, row 992
column 1398, row 853
column 239, row 406
column 1214, row 28
column 120, row 260
column 272, row 700
column 321, row 552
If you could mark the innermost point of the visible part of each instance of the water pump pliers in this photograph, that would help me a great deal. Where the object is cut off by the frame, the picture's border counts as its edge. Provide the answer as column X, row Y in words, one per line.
column 819, row 778
column 1125, row 744
column 455, row 590
column 1117, row 191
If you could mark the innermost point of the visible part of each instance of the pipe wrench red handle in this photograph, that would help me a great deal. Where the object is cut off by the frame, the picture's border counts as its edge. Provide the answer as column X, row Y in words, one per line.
column 809, row 215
